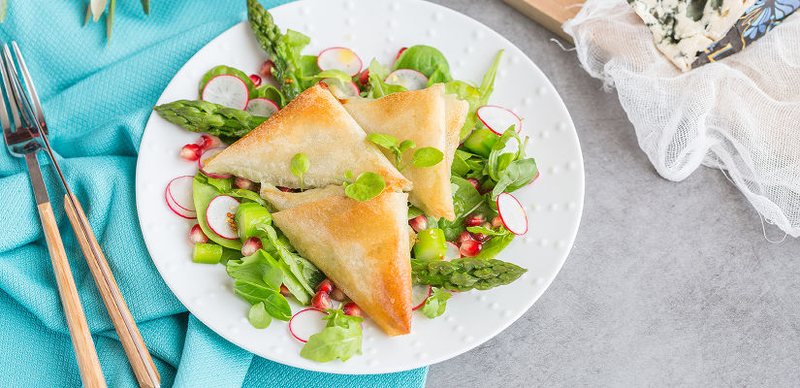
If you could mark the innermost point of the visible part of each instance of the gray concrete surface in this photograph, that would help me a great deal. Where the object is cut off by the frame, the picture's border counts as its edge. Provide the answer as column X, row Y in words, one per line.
column 668, row 284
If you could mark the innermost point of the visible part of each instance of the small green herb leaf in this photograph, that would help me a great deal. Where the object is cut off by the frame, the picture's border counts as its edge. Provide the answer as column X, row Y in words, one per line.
column 406, row 145
column 427, row 157
column 436, row 303
column 368, row 185
column 299, row 165
column 258, row 316
column 385, row 141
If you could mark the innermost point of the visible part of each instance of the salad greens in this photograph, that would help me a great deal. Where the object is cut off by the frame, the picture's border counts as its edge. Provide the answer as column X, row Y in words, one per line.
column 436, row 303
column 258, row 316
column 426, row 60
column 341, row 338
column 366, row 186
column 423, row 157
column 377, row 87
column 464, row 274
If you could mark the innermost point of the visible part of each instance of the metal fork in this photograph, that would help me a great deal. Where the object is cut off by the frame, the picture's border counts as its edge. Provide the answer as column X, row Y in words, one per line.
column 138, row 356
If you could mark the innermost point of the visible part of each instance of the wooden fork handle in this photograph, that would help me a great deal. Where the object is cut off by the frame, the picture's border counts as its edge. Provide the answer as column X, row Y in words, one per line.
column 138, row 356
column 89, row 365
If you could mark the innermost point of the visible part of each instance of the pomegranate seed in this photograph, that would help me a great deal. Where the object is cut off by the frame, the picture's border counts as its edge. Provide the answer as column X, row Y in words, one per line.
column 321, row 301
column 497, row 222
column 288, row 190
column 464, row 237
column 419, row 223
column 256, row 79
column 400, row 52
column 326, row 286
column 208, row 142
column 470, row 248
column 197, row 236
column 475, row 220
column 244, row 183
column 251, row 245
column 191, row 152
column 475, row 183
column 338, row 295
column 266, row 68
column 363, row 78
column 285, row 291
column 353, row 309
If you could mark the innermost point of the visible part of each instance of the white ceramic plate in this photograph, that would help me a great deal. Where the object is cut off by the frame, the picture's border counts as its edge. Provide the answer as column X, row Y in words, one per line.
column 377, row 28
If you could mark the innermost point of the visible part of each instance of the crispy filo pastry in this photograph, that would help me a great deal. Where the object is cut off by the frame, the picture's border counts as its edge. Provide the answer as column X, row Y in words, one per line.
column 417, row 115
column 314, row 124
column 455, row 115
column 363, row 247
column 281, row 200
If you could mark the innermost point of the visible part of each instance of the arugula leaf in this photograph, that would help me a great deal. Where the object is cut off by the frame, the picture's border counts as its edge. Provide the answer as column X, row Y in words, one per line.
column 466, row 201
column 476, row 97
column 226, row 70
column 426, row 60
column 341, row 338
column 487, row 84
column 377, row 87
column 298, row 166
column 367, row 185
column 258, row 316
column 436, row 303
column 487, row 231
column 427, row 157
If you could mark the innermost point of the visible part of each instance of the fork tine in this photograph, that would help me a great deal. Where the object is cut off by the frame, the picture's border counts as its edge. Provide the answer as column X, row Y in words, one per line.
column 5, row 122
column 9, row 95
column 19, row 94
column 34, row 97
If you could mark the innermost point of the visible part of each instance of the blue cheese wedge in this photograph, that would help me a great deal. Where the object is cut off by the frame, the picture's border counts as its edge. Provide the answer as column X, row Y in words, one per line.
column 682, row 29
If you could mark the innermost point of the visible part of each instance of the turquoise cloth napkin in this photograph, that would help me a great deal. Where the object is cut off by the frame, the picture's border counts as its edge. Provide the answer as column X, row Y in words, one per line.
column 97, row 98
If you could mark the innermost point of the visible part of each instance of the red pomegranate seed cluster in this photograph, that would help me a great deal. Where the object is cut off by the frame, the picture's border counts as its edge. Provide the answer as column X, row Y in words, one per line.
column 192, row 152
column 326, row 292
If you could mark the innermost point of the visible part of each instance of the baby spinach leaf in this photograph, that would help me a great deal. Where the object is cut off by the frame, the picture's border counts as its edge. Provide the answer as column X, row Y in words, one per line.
column 258, row 316
column 436, row 303
column 426, row 60
column 270, row 93
column 368, row 185
column 341, row 338
column 427, row 157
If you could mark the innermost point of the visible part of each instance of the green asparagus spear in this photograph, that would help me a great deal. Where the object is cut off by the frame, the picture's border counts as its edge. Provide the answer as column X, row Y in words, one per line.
column 206, row 117
column 283, row 50
column 465, row 273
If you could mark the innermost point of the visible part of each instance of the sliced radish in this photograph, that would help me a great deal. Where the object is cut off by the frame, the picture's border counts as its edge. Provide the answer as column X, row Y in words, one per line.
column 419, row 294
column 189, row 215
column 498, row 119
column 262, row 107
column 452, row 251
column 306, row 323
column 341, row 89
column 181, row 192
column 227, row 90
column 219, row 216
column 339, row 58
column 208, row 154
column 407, row 78
column 512, row 214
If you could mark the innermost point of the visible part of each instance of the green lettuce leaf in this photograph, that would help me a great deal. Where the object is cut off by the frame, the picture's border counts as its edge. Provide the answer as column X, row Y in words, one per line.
column 341, row 338
column 436, row 303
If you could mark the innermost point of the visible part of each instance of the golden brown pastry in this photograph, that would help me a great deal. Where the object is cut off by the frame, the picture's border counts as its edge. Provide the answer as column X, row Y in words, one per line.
column 362, row 247
column 315, row 124
column 455, row 115
column 417, row 115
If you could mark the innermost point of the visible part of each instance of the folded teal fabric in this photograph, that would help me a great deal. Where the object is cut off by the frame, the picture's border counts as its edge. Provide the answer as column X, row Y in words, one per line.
column 97, row 97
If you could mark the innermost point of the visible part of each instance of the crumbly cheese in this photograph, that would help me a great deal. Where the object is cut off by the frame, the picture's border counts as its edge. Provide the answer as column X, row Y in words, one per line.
column 683, row 28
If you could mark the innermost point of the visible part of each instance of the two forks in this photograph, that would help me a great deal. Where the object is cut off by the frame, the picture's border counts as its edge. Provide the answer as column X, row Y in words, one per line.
column 25, row 133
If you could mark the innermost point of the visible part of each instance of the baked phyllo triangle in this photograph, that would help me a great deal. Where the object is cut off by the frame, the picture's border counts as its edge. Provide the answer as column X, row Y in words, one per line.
column 316, row 125
column 419, row 116
column 455, row 115
column 282, row 200
column 363, row 247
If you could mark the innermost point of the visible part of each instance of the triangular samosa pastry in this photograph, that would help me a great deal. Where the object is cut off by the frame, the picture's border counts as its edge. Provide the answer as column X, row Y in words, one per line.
column 282, row 200
column 362, row 247
column 314, row 124
column 455, row 115
column 417, row 115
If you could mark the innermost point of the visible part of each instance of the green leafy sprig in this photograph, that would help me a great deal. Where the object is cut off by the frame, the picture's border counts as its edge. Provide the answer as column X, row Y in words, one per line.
column 436, row 303
column 299, row 166
column 341, row 338
column 366, row 186
column 423, row 157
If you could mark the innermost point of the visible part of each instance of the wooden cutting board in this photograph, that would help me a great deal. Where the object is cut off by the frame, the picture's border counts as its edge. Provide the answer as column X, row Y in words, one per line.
column 549, row 13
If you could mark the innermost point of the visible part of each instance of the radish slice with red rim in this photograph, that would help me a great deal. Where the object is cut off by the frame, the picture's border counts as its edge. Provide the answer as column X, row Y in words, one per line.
column 208, row 154
column 226, row 90
column 189, row 215
column 341, row 89
column 219, row 216
column 498, row 119
column 261, row 107
column 306, row 323
column 407, row 78
column 452, row 251
column 419, row 294
column 512, row 214
column 181, row 192
column 339, row 58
